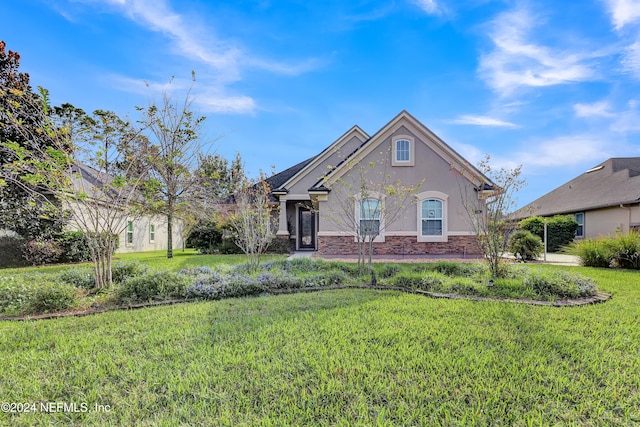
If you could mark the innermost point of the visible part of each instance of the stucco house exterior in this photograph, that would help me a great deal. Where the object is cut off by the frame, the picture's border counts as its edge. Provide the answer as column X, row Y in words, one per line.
column 604, row 199
column 404, row 150
column 139, row 233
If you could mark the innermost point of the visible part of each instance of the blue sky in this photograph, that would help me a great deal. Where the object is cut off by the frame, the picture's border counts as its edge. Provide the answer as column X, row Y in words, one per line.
column 552, row 85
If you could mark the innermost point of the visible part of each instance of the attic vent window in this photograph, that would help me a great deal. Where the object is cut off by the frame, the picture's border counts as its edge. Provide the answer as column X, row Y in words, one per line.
column 597, row 168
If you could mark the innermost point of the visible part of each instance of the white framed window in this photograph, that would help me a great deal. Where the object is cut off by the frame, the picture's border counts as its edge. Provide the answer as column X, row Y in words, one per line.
column 129, row 235
column 403, row 151
column 432, row 216
column 370, row 215
column 152, row 233
column 579, row 217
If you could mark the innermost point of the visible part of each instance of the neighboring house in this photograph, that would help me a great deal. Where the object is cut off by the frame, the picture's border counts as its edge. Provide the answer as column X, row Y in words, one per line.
column 604, row 200
column 437, row 223
column 139, row 233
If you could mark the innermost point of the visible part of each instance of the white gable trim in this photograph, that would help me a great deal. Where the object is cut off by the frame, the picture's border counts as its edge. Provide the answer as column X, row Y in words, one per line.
column 355, row 131
column 422, row 133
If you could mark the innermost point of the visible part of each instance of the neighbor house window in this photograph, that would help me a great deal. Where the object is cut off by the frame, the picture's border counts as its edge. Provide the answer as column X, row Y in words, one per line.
column 370, row 217
column 403, row 148
column 152, row 232
column 579, row 217
column 432, row 217
column 129, row 232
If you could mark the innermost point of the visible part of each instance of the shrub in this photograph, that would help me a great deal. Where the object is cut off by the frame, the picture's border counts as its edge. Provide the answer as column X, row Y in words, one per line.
column 525, row 245
column 81, row 277
column 388, row 270
column 557, row 284
column 534, row 224
column 123, row 270
column 329, row 278
column 75, row 245
column 229, row 247
column 48, row 297
column 625, row 250
column 206, row 237
column 593, row 252
column 11, row 250
column 453, row 269
column 15, row 294
column 278, row 280
column 279, row 246
column 153, row 285
column 433, row 281
column 40, row 252
column 235, row 285
column 561, row 230
column 410, row 280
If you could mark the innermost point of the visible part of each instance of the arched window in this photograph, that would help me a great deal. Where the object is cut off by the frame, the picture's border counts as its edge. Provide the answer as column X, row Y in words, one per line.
column 432, row 223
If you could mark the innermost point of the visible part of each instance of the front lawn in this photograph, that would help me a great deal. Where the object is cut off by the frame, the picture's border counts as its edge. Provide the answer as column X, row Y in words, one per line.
column 342, row 357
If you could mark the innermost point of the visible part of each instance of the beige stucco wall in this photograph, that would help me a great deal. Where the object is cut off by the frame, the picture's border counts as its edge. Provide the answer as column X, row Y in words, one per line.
column 141, row 230
column 428, row 166
column 141, row 235
column 608, row 221
column 335, row 156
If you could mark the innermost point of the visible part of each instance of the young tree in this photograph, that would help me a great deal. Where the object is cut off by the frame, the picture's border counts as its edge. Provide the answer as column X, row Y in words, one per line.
column 20, row 210
column 175, row 137
column 82, row 165
column 365, row 203
column 253, row 221
column 488, row 211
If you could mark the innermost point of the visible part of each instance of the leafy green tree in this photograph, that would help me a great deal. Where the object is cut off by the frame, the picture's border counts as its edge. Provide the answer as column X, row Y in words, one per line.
column 175, row 148
column 21, row 210
column 83, row 166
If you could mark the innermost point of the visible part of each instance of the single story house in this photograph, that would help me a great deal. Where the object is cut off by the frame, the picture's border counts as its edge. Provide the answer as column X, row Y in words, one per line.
column 434, row 221
column 137, row 233
column 604, row 199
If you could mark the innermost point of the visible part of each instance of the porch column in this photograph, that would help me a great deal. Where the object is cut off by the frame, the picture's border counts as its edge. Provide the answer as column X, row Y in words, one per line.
column 283, row 230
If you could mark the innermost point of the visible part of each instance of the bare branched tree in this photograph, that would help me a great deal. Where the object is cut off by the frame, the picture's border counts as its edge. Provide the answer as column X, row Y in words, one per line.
column 488, row 211
column 365, row 202
column 254, row 221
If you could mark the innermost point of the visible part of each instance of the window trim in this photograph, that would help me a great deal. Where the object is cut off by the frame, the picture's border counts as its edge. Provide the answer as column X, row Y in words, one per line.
column 358, row 202
column 432, row 195
column 129, row 234
column 152, row 233
column 394, row 154
column 580, row 224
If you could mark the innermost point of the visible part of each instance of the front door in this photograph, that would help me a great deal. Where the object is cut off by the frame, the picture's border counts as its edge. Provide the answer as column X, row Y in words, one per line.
column 306, row 229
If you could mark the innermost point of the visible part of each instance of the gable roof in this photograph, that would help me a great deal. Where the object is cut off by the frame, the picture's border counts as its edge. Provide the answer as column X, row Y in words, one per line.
column 288, row 177
column 434, row 142
column 614, row 182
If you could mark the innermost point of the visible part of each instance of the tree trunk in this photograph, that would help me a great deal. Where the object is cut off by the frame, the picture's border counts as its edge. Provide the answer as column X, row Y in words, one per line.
column 170, row 231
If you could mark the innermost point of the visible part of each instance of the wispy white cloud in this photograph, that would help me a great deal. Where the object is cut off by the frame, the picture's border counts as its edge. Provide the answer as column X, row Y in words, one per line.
column 566, row 151
column 596, row 109
column 482, row 121
column 623, row 12
column 518, row 61
column 631, row 59
column 429, row 6
column 189, row 39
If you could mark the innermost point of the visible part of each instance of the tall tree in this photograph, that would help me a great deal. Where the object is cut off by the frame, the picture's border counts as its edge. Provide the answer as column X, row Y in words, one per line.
column 21, row 210
column 175, row 137
column 84, row 166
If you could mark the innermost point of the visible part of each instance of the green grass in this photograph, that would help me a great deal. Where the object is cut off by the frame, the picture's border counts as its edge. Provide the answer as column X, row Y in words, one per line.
column 346, row 357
